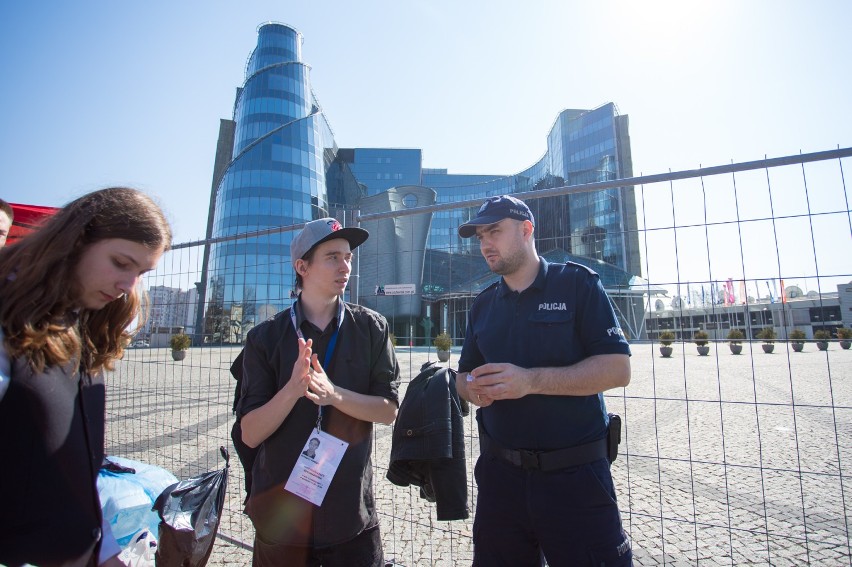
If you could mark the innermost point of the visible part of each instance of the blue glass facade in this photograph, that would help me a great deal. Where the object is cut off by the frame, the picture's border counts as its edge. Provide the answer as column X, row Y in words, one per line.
column 276, row 177
column 379, row 169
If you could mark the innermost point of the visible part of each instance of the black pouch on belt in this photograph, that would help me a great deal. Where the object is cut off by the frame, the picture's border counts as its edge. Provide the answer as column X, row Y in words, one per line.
column 613, row 436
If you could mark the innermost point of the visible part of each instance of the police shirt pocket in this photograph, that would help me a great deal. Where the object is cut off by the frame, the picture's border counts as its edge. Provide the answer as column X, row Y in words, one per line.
column 551, row 333
column 552, row 318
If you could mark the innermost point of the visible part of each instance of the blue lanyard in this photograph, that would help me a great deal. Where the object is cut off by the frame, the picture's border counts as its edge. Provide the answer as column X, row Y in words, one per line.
column 332, row 342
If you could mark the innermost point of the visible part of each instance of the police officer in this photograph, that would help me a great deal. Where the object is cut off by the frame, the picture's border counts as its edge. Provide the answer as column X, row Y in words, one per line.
column 541, row 346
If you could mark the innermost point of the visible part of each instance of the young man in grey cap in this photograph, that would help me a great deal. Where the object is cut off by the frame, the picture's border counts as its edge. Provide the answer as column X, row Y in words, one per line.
column 322, row 370
column 541, row 346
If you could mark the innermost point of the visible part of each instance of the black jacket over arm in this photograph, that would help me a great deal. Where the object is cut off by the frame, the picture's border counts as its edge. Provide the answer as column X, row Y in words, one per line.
column 427, row 448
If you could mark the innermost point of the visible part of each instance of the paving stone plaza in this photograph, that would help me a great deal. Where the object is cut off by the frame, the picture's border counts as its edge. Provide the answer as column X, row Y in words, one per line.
column 725, row 460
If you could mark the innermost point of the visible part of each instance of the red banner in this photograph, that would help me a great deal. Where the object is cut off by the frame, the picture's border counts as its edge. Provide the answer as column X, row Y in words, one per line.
column 27, row 219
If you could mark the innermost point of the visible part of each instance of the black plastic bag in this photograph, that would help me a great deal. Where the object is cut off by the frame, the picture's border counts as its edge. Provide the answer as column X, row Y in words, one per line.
column 189, row 518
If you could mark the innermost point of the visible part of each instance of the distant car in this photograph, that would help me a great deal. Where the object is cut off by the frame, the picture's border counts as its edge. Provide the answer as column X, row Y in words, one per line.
column 141, row 344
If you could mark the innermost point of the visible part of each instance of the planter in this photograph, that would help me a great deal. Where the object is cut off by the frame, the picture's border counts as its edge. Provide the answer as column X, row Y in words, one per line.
column 736, row 348
column 443, row 343
column 178, row 354
column 844, row 344
column 666, row 351
column 822, row 345
column 768, row 348
column 797, row 347
column 703, row 350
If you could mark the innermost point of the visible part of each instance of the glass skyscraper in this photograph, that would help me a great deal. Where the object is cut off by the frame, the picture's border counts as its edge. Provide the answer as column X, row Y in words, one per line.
column 276, row 176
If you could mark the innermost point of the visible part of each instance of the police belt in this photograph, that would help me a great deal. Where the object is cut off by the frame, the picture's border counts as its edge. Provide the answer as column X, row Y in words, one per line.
column 546, row 460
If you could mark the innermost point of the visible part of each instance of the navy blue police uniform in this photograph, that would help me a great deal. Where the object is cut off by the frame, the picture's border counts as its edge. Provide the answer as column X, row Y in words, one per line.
column 536, row 498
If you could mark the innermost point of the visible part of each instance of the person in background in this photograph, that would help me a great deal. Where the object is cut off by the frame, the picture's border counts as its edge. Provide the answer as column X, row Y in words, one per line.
column 323, row 368
column 7, row 215
column 542, row 345
column 68, row 293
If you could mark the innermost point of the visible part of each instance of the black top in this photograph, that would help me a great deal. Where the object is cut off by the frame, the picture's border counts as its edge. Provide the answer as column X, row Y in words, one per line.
column 52, row 446
column 364, row 362
column 564, row 317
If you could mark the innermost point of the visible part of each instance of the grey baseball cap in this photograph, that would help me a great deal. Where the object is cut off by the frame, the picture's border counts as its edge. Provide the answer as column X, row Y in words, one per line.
column 494, row 210
column 321, row 230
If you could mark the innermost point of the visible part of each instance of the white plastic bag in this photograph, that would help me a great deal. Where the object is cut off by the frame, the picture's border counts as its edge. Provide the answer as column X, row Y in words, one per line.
column 140, row 551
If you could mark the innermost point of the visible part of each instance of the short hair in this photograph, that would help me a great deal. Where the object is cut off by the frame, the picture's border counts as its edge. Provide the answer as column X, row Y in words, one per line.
column 7, row 208
column 308, row 257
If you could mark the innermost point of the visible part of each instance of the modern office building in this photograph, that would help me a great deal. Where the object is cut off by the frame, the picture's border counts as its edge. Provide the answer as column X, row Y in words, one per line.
column 277, row 165
column 583, row 146
column 809, row 312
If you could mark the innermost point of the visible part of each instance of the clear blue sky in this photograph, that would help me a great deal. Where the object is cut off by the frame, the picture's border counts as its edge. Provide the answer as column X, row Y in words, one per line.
column 96, row 93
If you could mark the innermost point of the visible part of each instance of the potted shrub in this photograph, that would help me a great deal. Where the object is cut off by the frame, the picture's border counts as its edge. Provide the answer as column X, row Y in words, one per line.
column 768, row 336
column 822, row 338
column 845, row 336
column 735, row 341
column 701, row 339
column 442, row 343
column 179, row 343
column 666, row 339
column 797, row 339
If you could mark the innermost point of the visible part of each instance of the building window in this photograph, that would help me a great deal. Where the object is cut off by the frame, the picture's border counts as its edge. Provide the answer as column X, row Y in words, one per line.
column 409, row 201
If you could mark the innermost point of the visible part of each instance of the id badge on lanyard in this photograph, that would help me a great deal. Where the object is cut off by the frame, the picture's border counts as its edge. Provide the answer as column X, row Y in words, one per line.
column 320, row 458
column 316, row 466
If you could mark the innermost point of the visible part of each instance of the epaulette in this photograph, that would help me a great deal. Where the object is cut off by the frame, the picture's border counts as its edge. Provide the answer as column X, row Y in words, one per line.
column 489, row 288
column 588, row 269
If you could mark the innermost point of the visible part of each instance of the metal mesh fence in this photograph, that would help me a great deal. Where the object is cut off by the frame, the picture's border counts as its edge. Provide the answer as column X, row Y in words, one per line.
column 725, row 459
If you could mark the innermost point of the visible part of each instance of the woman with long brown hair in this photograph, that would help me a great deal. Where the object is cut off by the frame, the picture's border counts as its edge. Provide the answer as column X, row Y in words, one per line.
column 68, row 294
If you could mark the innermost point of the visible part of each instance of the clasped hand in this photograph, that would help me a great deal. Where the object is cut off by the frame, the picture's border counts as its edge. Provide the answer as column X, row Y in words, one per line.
column 497, row 381
column 309, row 377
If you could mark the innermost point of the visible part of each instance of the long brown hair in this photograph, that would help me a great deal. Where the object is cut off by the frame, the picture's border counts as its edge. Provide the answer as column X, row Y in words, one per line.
column 39, row 288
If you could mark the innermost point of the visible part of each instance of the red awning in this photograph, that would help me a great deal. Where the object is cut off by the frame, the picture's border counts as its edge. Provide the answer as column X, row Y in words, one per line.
column 27, row 219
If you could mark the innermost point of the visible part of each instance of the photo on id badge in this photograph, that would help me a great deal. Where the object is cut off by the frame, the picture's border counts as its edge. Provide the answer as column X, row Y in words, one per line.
column 311, row 448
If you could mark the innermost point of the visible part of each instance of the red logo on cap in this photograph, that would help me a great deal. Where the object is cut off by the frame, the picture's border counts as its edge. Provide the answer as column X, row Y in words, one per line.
column 334, row 225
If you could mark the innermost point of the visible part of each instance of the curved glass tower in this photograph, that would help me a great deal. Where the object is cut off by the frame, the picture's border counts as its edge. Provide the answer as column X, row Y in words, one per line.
column 275, row 177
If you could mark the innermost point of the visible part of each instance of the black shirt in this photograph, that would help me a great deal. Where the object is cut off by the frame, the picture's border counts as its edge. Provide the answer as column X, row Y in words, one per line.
column 363, row 361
